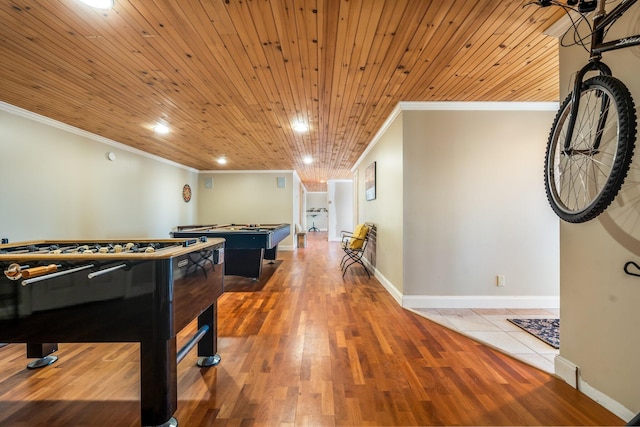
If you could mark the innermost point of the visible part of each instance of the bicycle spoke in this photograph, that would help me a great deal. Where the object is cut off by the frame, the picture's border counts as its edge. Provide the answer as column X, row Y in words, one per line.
column 582, row 170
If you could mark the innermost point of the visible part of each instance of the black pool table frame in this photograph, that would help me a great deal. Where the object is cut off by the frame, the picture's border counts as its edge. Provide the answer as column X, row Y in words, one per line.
column 247, row 245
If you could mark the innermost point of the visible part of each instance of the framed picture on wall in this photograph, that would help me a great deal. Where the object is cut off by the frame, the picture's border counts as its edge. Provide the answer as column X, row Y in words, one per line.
column 370, row 182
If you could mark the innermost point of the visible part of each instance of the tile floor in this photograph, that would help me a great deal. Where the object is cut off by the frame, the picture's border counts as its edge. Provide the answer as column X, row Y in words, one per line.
column 490, row 326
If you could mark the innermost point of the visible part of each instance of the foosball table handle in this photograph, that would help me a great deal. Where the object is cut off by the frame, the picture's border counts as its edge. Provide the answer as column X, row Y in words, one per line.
column 55, row 274
column 28, row 273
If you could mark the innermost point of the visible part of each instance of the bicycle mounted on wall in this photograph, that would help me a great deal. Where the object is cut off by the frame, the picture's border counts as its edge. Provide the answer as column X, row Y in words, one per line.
column 593, row 135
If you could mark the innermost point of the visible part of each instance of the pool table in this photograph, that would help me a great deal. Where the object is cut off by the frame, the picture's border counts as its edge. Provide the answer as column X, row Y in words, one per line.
column 247, row 245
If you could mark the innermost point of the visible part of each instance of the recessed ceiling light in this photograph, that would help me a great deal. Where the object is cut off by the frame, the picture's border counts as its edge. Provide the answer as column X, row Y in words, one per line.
column 99, row 4
column 308, row 159
column 161, row 129
column 222, row 161
column 300, row 127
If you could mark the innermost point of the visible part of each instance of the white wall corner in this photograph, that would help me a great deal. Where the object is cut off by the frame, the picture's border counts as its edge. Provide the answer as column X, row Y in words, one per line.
column 479, row 301
column 376, row 138
column 570, row 373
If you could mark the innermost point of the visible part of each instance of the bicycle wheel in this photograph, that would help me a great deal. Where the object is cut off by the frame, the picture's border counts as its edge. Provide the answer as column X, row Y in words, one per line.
column 583, row 176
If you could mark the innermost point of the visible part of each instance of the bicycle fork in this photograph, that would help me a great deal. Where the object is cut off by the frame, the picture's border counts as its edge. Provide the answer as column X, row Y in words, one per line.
column 604, row 69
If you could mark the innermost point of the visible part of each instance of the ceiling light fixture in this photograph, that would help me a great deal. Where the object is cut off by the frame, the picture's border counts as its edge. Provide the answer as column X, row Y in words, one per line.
column 308, row 160
column 222, row 161
column 98, row 4
column 161, row 129
column 300, row 127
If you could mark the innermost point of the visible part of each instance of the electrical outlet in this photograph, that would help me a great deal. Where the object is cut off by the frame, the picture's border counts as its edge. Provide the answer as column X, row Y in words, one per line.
column 500, row 280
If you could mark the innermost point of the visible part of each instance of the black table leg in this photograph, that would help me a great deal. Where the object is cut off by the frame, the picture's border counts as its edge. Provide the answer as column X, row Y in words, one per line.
column 243, row 262
column 208, row 345
column 271, row 254
column 158, row 382
column 43, row 352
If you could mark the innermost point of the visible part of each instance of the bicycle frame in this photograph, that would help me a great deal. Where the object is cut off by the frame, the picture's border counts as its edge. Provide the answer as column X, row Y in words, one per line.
column 601, row 21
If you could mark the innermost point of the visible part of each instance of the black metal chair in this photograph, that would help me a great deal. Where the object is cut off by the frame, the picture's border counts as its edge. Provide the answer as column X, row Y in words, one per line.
column 354, row 245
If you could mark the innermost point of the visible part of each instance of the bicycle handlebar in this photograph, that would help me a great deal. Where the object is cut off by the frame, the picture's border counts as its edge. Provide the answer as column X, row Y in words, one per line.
column 584, row 6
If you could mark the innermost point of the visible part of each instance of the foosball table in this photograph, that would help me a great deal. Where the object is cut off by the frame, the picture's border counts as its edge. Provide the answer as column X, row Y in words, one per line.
column 111, row 291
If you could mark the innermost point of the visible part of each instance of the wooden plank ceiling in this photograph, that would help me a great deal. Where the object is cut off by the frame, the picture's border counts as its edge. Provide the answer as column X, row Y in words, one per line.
column 229, row 77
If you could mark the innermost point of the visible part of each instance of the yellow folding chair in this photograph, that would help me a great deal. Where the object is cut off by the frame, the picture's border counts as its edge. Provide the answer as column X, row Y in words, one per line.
column 354, row 244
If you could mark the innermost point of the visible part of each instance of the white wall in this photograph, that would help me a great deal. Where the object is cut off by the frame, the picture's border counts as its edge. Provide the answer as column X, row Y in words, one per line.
column 340, row 202
column 317, row 200
column 298, row 207
column 247, row 197
column 599, row 302
column 460, row 199
column 386, row 211
column 57, row 183
column 475, row 207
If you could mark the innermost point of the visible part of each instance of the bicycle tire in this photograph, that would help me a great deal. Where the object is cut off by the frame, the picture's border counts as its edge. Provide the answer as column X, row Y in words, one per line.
column 581, row 182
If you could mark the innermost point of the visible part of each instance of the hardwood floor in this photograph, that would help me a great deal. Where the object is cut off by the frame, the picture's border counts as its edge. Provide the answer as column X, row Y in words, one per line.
column 304, row 348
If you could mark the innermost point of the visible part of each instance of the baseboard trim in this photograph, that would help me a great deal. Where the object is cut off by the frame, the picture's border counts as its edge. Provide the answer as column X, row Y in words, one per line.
column 393, row 291
column 566, row 370
column 479, row 301
column 570, row 373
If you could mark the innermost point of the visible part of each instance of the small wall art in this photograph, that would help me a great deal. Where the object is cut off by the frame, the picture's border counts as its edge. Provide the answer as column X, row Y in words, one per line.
column 370, row 182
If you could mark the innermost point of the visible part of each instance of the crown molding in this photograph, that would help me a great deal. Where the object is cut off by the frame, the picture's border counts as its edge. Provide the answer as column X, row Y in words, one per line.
column 452, row 106
column 248, row 171
column 477, row 106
